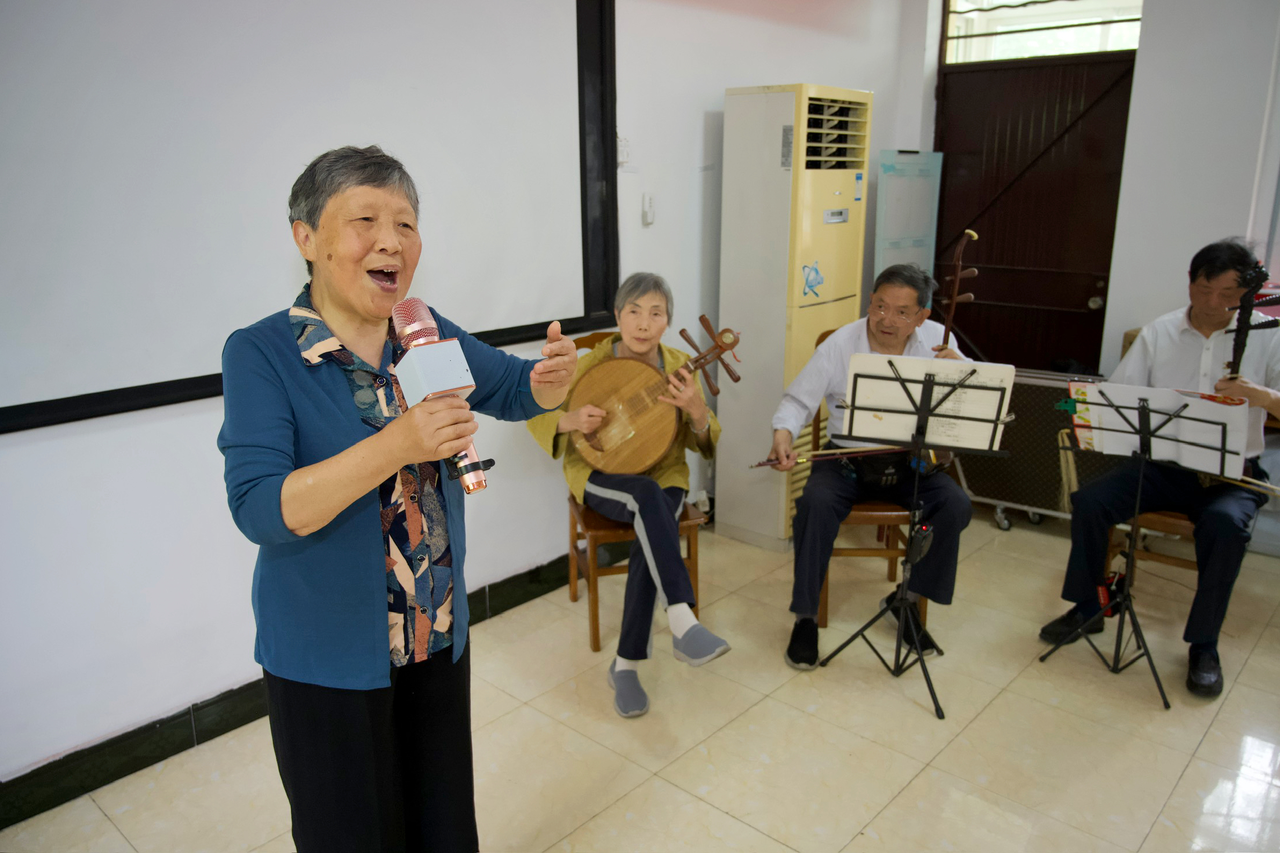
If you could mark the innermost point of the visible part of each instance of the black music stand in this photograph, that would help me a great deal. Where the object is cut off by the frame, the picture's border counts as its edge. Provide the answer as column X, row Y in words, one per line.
column 1122, row 602
column 907, row 652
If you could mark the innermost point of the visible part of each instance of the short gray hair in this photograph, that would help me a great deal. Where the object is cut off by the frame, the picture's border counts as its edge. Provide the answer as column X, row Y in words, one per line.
column 909, row 275
column 341, row 169
column 642, row 284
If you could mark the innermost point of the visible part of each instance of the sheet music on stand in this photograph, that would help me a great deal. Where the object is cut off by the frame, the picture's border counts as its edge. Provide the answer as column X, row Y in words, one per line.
column 882, row 408
column 1208, row 435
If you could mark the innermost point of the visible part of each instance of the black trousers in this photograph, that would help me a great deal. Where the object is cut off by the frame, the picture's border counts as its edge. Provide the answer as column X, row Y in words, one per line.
column 1223, row 516
column 379, row 770
column 830, row 494
column 657, row 567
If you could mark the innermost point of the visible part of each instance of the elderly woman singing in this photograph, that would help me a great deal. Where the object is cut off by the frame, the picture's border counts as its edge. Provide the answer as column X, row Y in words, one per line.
column 359, row 592
column 650, row 501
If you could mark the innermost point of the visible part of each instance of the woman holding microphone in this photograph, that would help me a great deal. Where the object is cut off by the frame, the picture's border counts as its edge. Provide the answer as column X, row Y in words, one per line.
column 359, row 592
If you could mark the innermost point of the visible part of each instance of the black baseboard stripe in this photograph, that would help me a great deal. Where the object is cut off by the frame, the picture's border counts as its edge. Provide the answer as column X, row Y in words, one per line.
column 74, row 775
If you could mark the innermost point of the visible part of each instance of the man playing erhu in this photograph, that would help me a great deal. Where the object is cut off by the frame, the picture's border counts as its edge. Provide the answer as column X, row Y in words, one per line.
column 897, row 323
column 1188, row 349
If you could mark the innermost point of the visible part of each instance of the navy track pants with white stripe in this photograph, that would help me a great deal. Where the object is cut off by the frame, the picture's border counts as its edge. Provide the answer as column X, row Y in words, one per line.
column 657, row 569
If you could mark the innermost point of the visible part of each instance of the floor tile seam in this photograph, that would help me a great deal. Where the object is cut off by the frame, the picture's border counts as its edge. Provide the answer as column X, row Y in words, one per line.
column 924, row 767
column 1174, row 788
column 1165, row 804
column 734, row 719
column 712, row 806
column 288, row 831
column 501, row 716
column 604, row 746
column 704, row 800
column 1268, row 690
column 963, row 729
column 560, row 683
column 110, row 820
column 1254, row 775
column 499, row 689
column 1113, row 728
column 1222, row 702
column 848, row 730
column 1057, row 820
column 1038, row 811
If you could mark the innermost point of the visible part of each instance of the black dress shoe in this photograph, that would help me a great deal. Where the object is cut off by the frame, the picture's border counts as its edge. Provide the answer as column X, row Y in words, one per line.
column 1066, row 625
column 891, row 601
column 927, row 646
column 802, row 651
column 1204, row 674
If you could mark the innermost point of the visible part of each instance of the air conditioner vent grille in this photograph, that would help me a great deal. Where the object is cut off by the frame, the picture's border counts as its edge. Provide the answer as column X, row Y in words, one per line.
column 835, row 134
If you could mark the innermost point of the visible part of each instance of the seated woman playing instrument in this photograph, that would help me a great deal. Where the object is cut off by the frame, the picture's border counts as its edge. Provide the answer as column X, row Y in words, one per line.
column 652, row 501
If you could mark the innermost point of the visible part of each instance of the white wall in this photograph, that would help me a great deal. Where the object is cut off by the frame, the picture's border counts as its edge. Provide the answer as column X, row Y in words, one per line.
column 124, row 594
column 162, row 139
column 1195, row 153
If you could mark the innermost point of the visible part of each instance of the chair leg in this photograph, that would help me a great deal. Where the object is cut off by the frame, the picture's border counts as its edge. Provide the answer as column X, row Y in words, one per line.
column 822, row 601
column 573, row 558
column 923, row 606
column 893, row 535
column 593, row 593
column 692, row 564
column 881, row 531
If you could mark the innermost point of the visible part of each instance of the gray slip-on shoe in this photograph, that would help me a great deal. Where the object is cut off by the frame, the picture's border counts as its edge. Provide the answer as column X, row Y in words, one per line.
column 629, row 698
column 698, row 646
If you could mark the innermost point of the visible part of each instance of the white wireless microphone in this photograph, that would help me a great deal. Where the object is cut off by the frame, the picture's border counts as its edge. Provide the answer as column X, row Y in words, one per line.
column 435, row 368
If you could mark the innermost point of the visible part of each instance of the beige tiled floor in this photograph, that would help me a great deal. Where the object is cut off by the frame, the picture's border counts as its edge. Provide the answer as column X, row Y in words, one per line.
column 748, row 754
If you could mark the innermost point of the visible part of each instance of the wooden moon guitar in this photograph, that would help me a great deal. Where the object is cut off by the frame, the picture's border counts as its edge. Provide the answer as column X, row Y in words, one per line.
column 638, row 429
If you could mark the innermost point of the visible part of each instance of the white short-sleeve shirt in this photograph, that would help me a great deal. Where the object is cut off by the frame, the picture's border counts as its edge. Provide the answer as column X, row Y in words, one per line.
column 1170, row 353
column 827, row 373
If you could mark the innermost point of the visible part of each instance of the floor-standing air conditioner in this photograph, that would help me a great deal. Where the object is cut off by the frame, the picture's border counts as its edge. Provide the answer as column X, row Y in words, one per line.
column 793, row 224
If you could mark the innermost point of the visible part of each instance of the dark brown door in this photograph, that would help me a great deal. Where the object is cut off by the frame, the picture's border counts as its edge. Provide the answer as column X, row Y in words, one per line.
column 1032, row 151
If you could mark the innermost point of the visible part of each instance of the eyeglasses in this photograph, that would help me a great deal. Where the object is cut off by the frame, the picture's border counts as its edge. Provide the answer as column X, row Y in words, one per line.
column 893, row 315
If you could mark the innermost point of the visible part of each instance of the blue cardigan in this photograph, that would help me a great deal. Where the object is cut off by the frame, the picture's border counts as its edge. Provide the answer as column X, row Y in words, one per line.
column 320, row 601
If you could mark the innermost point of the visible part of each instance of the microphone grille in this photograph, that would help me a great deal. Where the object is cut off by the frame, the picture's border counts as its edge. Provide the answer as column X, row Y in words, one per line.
column 413, row 321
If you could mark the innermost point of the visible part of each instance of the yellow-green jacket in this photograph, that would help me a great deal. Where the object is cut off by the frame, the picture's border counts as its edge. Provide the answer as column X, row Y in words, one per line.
column 670, row 471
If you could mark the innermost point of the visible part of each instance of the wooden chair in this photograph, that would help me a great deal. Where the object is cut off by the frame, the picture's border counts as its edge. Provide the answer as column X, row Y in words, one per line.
column 588, row 530
column 1170, row 523
column 887, row 518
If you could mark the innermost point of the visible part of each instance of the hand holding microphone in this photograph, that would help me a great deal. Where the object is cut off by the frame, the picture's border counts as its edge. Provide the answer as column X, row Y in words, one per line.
column 439, row 428
column 435, row 372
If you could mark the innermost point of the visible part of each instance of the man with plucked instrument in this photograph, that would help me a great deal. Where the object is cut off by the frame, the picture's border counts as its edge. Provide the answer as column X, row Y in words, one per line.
column 1187, row 349
column 897, row 323
column 653, row 500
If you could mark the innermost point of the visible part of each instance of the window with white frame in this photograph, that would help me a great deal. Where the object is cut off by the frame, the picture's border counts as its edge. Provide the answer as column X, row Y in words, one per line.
column 984, row 30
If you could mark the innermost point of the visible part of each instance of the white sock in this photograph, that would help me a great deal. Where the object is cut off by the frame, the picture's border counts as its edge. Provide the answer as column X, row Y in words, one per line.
column 623, row 665
column 680, row 617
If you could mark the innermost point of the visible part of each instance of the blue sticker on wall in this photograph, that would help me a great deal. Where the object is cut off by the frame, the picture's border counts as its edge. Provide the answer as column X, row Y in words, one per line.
column 812, row 278
column 857, row 187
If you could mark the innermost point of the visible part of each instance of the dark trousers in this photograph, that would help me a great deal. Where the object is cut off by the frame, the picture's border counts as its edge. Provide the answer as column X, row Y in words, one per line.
column 379, row 770
column 1223, row 516
column 657, row 567
column 830, row 494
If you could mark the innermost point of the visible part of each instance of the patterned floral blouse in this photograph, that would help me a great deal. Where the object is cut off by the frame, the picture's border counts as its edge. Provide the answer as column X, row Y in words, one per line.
column 415, row 538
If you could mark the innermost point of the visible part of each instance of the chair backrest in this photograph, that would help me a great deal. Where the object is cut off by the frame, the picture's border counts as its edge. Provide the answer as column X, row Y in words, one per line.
column 816, row 436
column 590, row 341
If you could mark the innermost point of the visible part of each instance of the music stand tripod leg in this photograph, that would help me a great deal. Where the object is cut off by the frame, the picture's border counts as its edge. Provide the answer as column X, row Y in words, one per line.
column 907, row 620
column 1123, row 602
